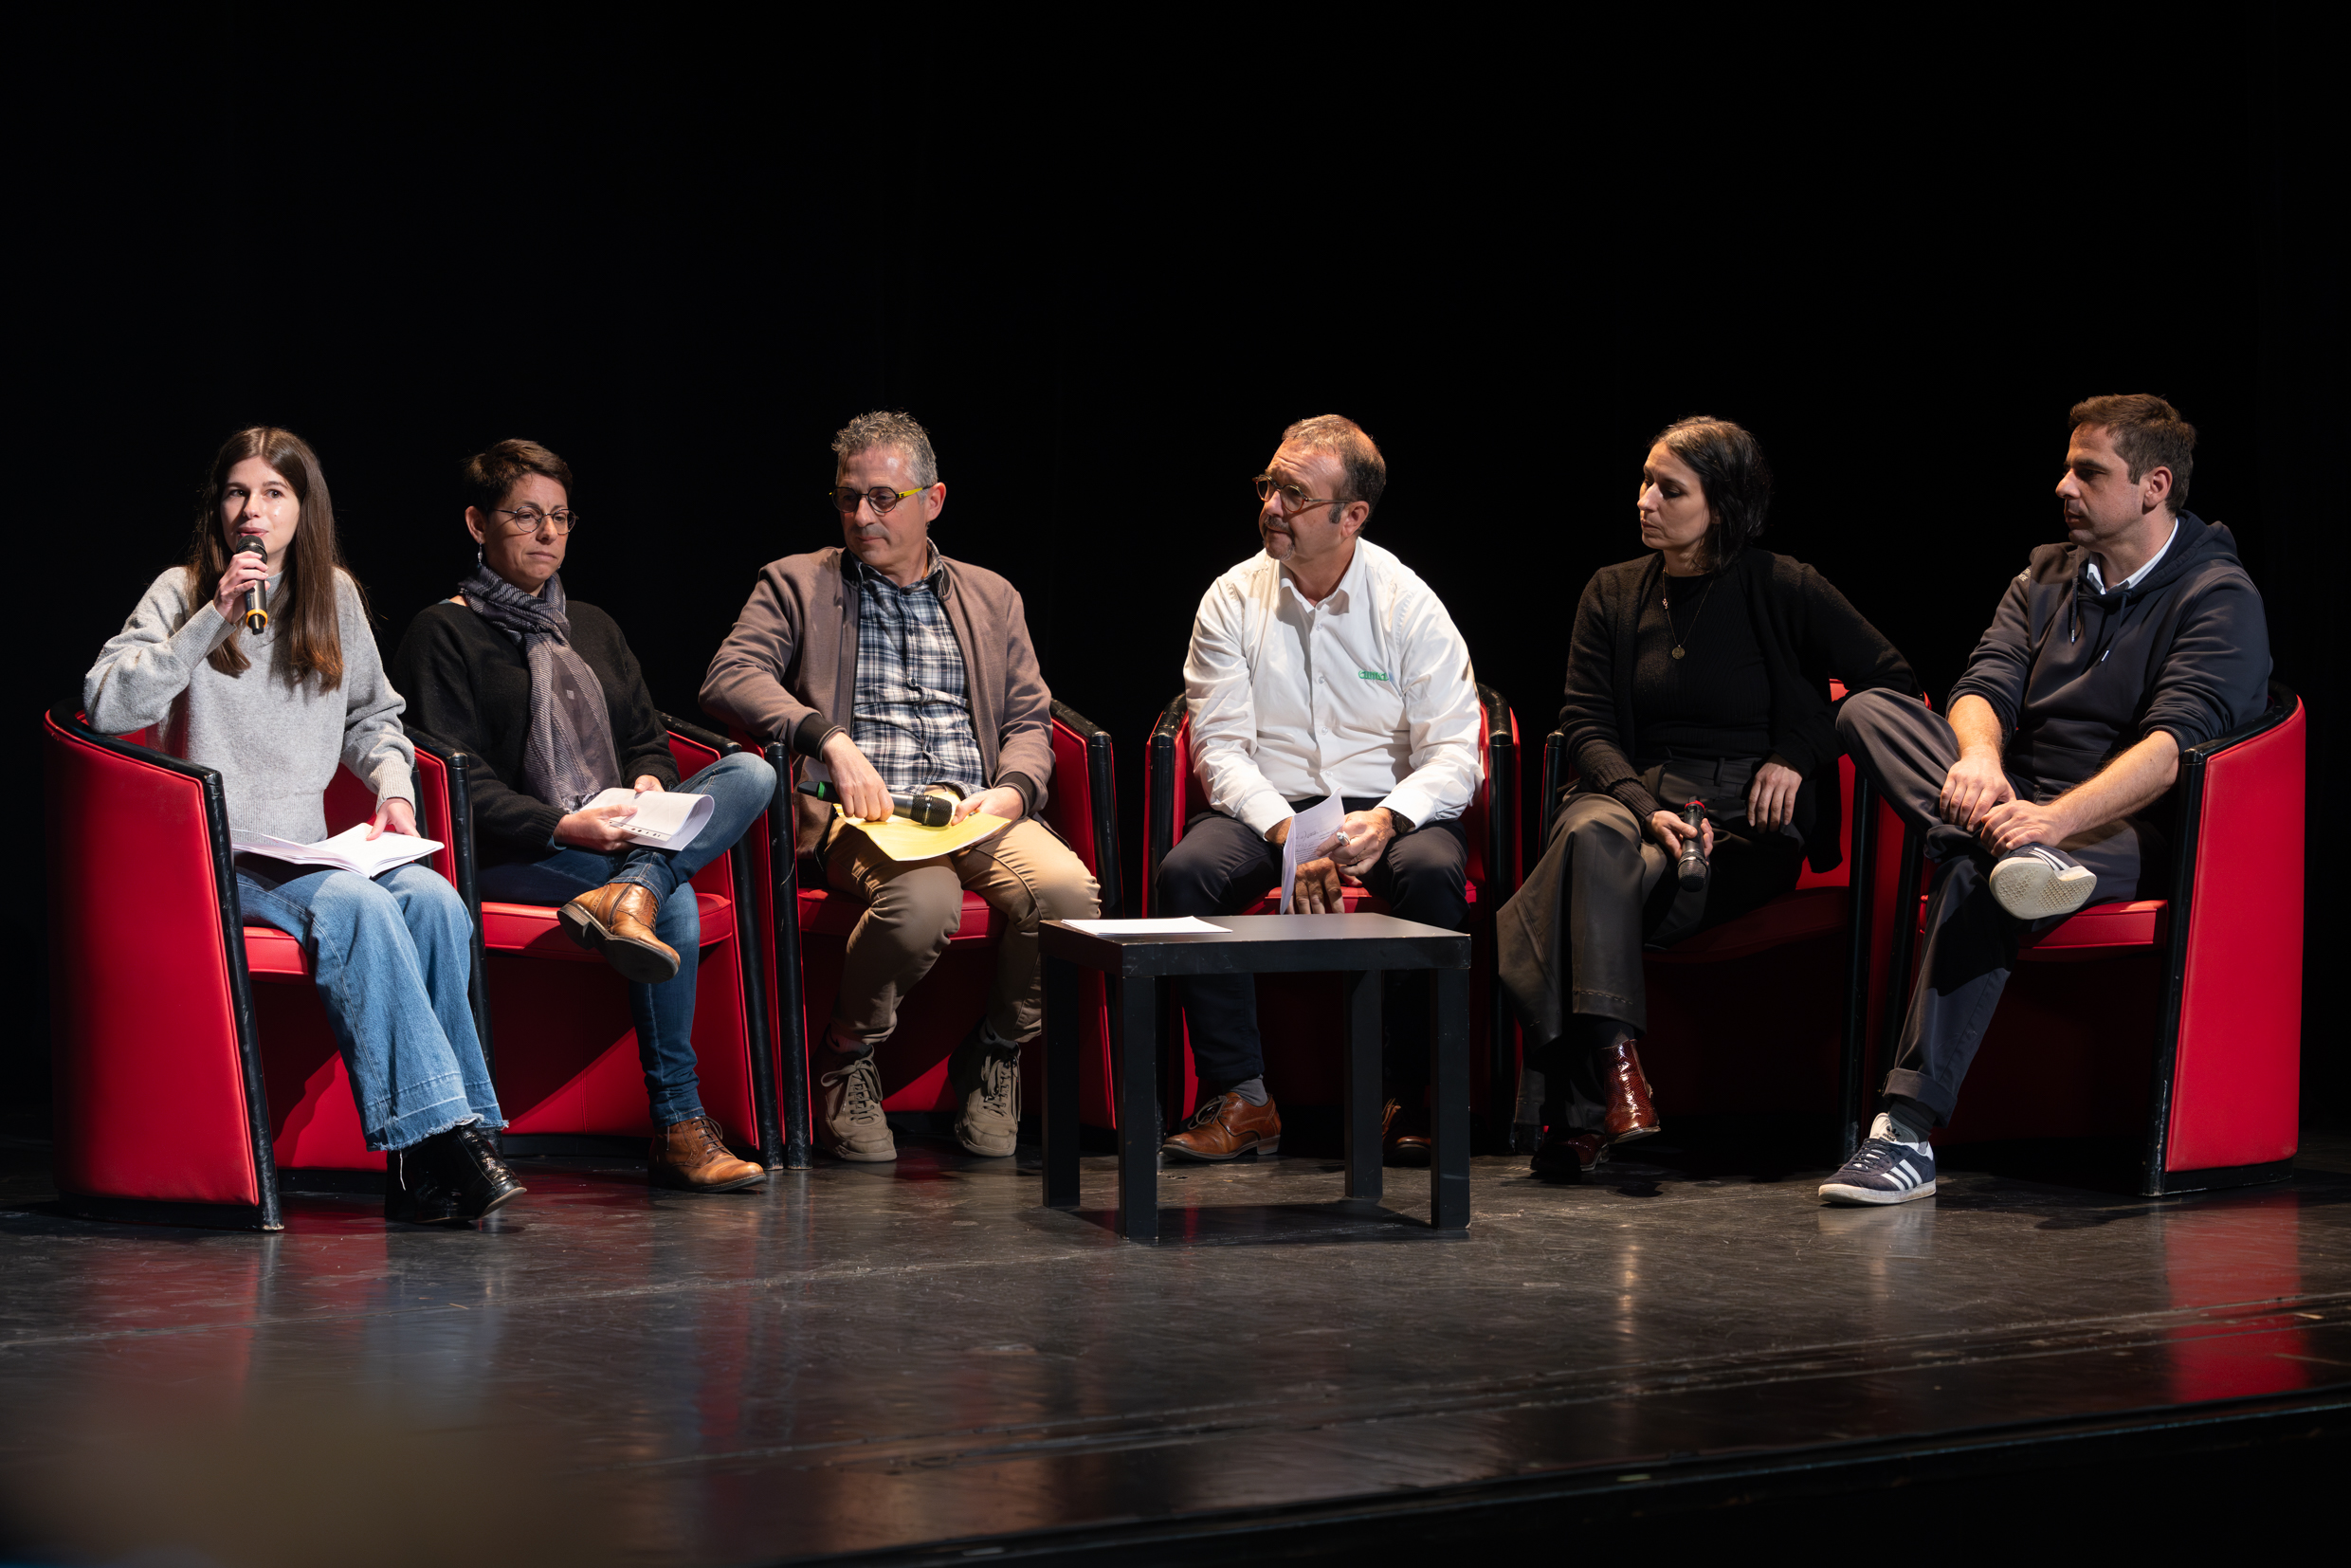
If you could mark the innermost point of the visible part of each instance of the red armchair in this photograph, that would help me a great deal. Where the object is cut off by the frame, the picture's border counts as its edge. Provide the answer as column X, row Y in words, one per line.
column 1769, row 1014
column 195, row 1070
column 804, row 930
column 2196, row 996
column 554, row 1019
column 1300, row 1006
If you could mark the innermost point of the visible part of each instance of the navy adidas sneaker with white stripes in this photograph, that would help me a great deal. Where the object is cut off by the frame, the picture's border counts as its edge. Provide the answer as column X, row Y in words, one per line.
column 1883, row 1170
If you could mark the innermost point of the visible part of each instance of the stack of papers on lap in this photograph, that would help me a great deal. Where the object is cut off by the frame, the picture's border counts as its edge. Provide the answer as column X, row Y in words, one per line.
column 349, row 850
column 666, row 819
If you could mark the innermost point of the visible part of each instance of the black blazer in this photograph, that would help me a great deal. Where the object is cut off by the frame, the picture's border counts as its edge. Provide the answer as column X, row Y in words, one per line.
column 469, row 684
column 1807, row 633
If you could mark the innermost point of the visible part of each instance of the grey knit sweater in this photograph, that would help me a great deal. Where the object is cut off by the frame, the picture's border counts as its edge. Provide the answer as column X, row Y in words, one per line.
column 276, row 746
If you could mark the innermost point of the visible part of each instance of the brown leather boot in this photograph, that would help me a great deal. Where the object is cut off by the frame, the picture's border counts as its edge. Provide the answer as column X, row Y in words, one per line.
column 1624, row 1089
column 692, row 1155
column 616, row 923
column 1404, row 1135
column 1227, row 1127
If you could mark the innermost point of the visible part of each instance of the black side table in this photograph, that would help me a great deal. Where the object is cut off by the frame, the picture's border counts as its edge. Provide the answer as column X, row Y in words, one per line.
column 1359, row 946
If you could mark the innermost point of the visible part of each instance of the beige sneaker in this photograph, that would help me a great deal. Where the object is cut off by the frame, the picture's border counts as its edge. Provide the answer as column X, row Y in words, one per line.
column 853, row 1126
column 990, row 1125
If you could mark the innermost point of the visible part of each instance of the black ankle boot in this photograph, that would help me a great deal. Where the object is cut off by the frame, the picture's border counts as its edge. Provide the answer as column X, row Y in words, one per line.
column 480, row 1179
column 451, row 1178
column 417, row 1185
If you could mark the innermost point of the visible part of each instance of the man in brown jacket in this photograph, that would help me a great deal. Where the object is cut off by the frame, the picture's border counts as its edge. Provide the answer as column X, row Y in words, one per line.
column 892, row 670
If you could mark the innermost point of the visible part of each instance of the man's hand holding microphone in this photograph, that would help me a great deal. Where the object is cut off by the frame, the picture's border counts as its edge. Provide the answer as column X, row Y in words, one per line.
column 862, row 796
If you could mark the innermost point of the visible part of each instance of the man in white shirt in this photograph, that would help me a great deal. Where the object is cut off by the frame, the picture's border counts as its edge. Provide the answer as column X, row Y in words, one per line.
column 1322, row 665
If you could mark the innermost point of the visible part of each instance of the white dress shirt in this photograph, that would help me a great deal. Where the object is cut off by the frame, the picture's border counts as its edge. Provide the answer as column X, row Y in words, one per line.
column 1368, row 693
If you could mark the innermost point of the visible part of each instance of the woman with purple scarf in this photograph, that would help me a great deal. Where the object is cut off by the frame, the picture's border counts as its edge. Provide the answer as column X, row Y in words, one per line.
column 545, row 694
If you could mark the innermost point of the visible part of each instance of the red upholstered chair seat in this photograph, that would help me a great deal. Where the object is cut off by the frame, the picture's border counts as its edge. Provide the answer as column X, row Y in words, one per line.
column 1755, row 1016
column 828, row 914
column 805, row 953
column 534, row 929
column 2216, row 1006
column 1300, row 1010
column 556, row 1019
column 1795, row 916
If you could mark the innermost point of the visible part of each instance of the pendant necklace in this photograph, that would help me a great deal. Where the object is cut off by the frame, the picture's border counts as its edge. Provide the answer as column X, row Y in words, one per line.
column 1664, row 598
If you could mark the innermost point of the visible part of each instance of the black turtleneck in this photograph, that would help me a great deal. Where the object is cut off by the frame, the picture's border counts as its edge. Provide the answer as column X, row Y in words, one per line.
column 1716, row 700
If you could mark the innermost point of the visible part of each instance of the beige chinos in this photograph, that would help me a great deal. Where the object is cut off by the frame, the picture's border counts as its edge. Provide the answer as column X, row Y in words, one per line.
column 912, row 910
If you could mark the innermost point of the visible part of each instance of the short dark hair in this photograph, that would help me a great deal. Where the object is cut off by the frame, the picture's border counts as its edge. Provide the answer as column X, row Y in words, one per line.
column 1365, row 471
column 491, row 476
column 2147, row 433
column 1730, row 466
column 888, row 428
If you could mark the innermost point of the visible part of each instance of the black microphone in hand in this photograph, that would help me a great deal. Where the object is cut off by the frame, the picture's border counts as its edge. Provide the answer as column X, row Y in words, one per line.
column 1692, row 866
column 256, row 618
column 927, row 811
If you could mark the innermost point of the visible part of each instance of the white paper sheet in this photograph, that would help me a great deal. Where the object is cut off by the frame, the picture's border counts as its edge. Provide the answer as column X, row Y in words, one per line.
column 1173, row 926
column 1312, row 832
column 349, row 850
column 666, row 819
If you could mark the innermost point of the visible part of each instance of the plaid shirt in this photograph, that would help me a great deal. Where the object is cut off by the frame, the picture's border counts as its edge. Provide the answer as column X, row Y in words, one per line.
column 914, row 713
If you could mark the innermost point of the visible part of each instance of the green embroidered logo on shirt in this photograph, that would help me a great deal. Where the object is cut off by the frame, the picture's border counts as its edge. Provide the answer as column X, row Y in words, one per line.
column 1371, row 675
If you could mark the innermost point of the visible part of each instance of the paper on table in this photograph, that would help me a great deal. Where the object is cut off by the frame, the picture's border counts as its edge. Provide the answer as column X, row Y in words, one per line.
column 1173, row 927
column 904, row 839
column 1311, row 832
column 349, row 850
column 666, row 819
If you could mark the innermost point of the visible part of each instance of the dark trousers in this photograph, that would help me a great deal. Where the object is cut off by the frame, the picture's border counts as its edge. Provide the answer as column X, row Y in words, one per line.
column 1907, row 750
column 1603, row 891
column 1222, row 868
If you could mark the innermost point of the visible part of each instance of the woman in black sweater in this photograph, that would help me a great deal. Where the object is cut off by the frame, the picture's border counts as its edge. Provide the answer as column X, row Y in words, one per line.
column 544, row 693
column 1674, row 696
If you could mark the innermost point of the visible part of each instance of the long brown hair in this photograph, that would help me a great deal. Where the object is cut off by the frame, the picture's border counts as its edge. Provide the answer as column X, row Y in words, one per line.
column 310, row 641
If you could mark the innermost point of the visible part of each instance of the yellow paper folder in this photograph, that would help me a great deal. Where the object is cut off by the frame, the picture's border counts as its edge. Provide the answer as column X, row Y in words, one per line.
column 903, row 839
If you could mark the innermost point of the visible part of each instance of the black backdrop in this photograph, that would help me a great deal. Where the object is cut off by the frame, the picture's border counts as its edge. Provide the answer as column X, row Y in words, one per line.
column 1107, row 292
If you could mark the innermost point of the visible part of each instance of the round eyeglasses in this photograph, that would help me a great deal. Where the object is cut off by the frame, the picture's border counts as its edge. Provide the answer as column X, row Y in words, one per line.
column 845, row 499
column 529, row 519
column 1294, row 497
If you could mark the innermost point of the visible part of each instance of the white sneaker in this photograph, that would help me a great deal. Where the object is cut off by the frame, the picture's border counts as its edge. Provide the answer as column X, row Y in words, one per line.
column 2034, row 881
column 851, row 1125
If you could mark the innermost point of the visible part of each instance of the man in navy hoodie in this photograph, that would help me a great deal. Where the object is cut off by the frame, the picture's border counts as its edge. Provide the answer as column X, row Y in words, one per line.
column 2111, row 654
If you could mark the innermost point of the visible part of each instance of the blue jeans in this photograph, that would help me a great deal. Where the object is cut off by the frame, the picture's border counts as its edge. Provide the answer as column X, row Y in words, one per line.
column 392, row 957
column 741, row 787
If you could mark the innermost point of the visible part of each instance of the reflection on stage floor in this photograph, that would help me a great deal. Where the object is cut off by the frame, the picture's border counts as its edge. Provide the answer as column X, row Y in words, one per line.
column 861, row 1357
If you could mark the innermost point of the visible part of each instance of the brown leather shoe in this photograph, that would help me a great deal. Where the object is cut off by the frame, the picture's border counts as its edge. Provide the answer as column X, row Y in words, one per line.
column 1227, row 1127
column 1404, row 1135
column 616, row 923
column 1567, row 1153
column 692, row 1155
column 1624, row 1089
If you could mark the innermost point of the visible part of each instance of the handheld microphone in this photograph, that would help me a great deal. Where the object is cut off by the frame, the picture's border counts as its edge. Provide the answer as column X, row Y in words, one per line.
column 928, row 810
column 256, row 618
column 1692, row 866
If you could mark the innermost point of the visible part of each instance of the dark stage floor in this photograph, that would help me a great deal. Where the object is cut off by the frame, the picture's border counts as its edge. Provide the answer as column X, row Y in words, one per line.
column 884, row 1357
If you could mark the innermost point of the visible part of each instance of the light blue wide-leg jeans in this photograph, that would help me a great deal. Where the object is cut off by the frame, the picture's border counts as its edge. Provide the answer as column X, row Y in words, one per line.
column 392, row 957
